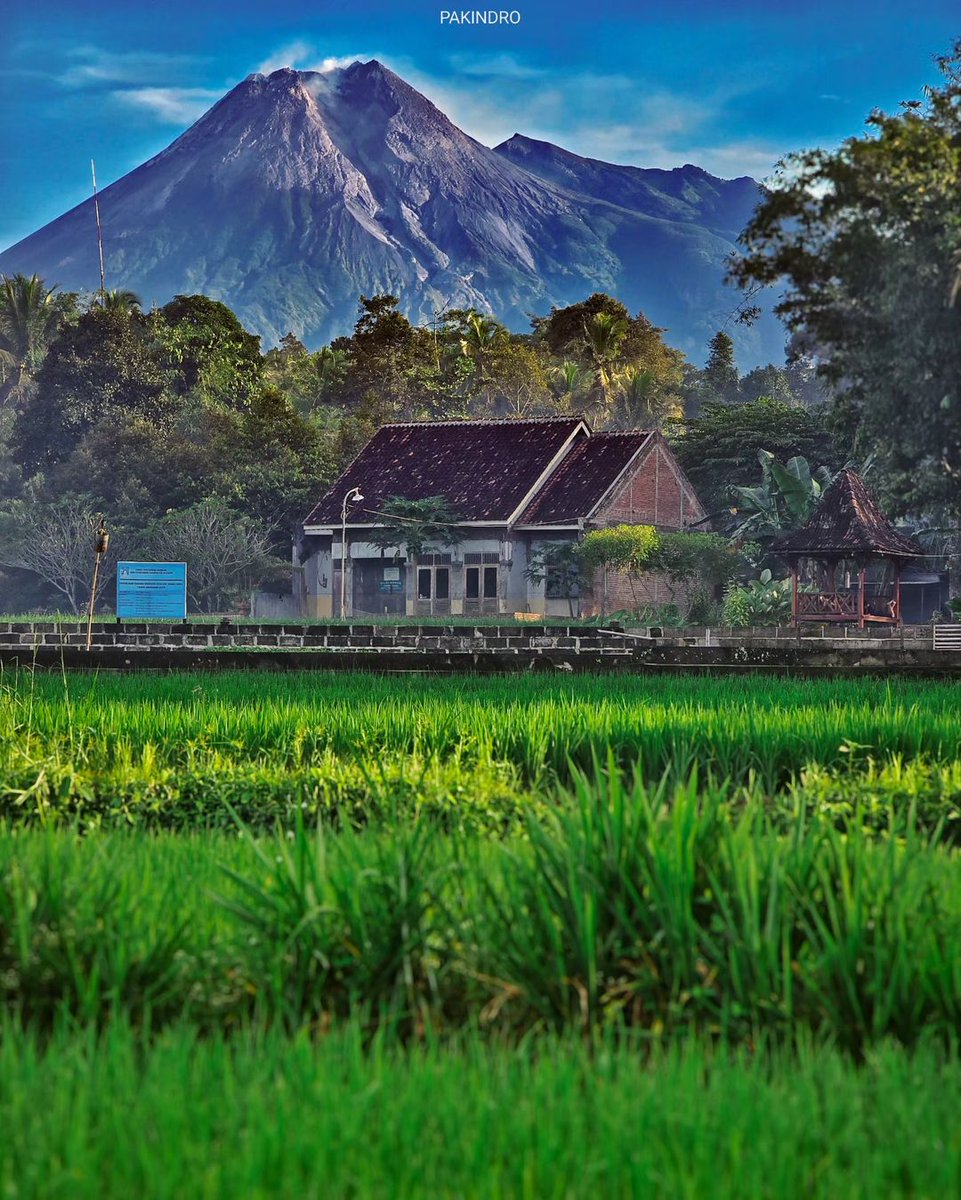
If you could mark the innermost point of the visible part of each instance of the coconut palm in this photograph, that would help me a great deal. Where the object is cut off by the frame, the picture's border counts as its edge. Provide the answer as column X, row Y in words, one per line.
column 604, row 337
column 570, row 382
column 482, row 338
column 120, row 300
column 641, row 401
column 30, row 315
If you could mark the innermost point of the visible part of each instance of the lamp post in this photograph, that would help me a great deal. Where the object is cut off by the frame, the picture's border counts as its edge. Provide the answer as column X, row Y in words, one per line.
column 100, row 544
column 353, row 497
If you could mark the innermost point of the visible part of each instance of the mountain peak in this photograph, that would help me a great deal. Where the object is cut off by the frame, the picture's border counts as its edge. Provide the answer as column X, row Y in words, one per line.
column 300, row 190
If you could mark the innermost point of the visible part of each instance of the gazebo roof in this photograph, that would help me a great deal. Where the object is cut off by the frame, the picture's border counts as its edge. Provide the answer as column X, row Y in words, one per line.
column 847, row 523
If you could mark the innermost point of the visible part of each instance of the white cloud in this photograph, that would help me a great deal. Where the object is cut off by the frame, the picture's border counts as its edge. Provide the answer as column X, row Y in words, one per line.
column 92, row 67
column 498, row 66
column 172, row 105
column 304, row 57
column 652, row 127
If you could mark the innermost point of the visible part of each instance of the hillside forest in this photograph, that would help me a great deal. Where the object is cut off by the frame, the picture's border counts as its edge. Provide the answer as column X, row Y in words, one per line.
column 176, row 425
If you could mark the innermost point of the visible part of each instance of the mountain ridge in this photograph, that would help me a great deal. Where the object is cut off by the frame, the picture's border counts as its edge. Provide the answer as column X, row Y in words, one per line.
column 297, row 191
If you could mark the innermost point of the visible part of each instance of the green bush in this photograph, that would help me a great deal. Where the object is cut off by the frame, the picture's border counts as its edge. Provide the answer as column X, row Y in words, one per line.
column 763, row 601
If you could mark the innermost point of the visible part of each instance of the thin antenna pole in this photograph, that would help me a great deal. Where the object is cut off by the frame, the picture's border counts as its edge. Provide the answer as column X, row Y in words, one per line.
column 96, row 209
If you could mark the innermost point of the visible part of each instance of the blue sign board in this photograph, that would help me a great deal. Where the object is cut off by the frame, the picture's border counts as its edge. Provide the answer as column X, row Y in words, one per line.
column 152, row 589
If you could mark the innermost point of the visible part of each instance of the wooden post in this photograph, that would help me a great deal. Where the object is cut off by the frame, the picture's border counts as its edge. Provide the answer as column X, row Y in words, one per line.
column 861, row 598
column 794, row 575
column 101, row 544
column 897, row 593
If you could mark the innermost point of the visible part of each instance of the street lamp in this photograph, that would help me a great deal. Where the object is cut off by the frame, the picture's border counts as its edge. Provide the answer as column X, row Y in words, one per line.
column 353, row 497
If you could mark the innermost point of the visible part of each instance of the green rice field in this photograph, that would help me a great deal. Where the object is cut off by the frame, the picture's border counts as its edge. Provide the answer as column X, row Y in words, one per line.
column 332, row 935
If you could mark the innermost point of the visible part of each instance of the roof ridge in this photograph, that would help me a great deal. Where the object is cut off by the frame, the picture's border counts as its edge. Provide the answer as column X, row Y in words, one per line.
column 612, row 433
column 486, row 421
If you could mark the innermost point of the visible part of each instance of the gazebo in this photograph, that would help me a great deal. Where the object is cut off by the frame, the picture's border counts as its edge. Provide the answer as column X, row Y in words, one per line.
column 846, row 561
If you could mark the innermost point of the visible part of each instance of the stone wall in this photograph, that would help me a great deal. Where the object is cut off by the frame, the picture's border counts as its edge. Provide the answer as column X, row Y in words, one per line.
column 298, row 636
column 447, row 649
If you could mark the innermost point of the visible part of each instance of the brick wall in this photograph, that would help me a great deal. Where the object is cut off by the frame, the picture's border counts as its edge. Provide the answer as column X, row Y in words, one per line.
column 656, row 493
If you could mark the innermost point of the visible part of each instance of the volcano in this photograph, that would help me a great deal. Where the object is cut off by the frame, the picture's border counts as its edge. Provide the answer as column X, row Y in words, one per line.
column 300, row 190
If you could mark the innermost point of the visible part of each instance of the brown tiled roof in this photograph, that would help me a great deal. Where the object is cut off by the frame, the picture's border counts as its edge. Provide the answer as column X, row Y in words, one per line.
column 483, row 469
column 847, row 521
column 583, row 478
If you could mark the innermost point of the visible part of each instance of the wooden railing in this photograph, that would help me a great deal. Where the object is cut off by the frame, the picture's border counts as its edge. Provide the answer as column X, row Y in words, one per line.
column 827, row 606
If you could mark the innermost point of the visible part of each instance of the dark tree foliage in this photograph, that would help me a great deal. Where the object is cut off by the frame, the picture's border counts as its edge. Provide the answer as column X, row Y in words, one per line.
column 276, row 464
column 720, row 372
column 418, row 525
column 563, row 331
column 389, row 356
column 867, row 238
column 208, row 349
column 100, row 370
column 719, row 449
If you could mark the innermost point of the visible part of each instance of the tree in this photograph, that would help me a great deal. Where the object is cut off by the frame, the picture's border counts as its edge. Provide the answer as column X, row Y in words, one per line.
column 865, row 238
column 570, row 382
column 225, row 553
column 101, row 369
column 309, row 380
column 720, row 375
column 30, row 315
column 55, row 541
column 563, row 330
column 771, row 381
column 418, row 525
column 560, row 565
column 390, row 358
column 719, row 449
column 625, row 548
column 604, row 338
column 697, row 563
column 120, row 300
column 617, row 367
column 208, row 351
column 642, row 401
column 272, row 463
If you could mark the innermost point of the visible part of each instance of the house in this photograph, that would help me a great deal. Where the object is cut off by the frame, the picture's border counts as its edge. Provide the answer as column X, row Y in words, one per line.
column 515, row 485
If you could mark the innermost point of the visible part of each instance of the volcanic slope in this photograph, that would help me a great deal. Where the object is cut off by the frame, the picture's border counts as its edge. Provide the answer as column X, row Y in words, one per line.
column 298, row 191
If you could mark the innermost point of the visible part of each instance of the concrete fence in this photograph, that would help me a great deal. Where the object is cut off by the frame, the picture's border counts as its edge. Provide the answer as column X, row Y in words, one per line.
column 454, row 648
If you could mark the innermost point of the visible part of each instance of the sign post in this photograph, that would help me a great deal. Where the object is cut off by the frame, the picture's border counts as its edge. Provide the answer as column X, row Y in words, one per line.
column 152, row 589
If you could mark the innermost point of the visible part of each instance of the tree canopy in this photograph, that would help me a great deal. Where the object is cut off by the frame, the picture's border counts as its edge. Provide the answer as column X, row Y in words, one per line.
column 866, row 239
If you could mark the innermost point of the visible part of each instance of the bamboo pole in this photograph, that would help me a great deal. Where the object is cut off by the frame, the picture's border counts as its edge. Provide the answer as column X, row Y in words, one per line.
column 100, row 549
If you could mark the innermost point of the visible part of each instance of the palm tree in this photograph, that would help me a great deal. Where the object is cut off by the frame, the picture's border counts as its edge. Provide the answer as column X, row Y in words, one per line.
column 603, row 338
column 569, row 382
column 30, row 315
column 120, row 300
column 481, row 339
column 641, row 401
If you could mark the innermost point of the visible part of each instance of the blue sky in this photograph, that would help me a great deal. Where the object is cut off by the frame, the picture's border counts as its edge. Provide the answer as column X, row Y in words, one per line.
column 730, row 84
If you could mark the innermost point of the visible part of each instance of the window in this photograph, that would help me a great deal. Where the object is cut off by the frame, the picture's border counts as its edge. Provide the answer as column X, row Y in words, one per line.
column 480, row 575
column 433, row 577
column 560, row 584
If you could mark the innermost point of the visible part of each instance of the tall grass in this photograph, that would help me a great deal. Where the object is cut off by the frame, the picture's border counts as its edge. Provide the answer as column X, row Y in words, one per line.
column 666, row 910
column 106, row 1117
column 169, row 750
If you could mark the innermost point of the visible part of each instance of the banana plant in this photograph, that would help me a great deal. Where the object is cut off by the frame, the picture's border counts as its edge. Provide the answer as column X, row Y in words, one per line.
column 786, row 497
